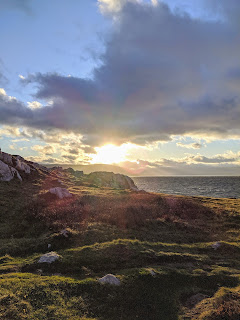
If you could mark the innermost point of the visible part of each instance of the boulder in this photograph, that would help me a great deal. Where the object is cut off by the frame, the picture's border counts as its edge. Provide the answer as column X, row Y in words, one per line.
column 22, row 166
column 7, row 173
column 110, row 279
column 7, row 158
column 49, row 257
column 60, row 192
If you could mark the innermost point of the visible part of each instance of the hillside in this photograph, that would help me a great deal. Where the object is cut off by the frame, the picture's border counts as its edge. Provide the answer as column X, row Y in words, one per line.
column 175, row 257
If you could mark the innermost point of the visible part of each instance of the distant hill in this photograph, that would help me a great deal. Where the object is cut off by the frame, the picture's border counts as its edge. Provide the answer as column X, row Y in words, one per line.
column 92, row 168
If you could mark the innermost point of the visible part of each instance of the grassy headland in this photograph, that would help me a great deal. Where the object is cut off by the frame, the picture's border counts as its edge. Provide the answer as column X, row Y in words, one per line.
column 159, row 246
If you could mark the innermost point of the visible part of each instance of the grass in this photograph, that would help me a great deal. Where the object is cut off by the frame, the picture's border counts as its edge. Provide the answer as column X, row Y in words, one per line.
column 125, row 233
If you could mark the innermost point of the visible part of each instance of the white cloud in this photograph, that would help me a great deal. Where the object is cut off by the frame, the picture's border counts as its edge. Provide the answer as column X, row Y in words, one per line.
column 34, row 105
column 2, row 92
column 113, row 6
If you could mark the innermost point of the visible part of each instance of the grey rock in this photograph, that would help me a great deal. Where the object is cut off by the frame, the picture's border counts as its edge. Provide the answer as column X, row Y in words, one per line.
column 60, row 192
column 49, row 257
column 110, row 279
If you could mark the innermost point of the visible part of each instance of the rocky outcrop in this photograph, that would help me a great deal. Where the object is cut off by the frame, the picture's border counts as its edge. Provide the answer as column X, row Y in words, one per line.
column 14, row 166
column 22, row 166
column 49, row 257
column 110, row 279
column 60, row 192
column 111, row 180
column 6, row 158
column 7, row 173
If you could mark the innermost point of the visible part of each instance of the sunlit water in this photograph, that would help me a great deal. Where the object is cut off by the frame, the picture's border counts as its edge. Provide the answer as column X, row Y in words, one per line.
column 217, row 187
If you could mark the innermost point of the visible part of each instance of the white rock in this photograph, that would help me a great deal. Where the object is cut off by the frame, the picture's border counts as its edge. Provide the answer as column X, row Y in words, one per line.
column 49, row 245
column 152, row 272
column 60, row 192
column 110, row 279
column 49, row 257
column 65, row 233
column 7, row 158
column 216, row 245
column 7, row 173
column 22, row 166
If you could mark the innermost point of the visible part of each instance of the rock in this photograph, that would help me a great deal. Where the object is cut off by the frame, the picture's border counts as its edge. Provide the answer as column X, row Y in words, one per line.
column 22, row 166
column 49, row 245
column 65, row 233
column 49, row 257
column 110, row 279
column 216, row 245
column 60, row 192
column 39, row 271
column 111, row 180
column 7, row 158
column 12, row 165
column 7, row 173
column 153, row 273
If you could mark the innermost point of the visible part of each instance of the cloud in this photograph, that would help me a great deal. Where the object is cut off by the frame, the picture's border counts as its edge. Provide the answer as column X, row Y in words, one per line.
column 34, row 105
column 227, row 163
column 113, row 6
column 229, row 157
column 163, row 73
column 44, row 150
column 194, row 145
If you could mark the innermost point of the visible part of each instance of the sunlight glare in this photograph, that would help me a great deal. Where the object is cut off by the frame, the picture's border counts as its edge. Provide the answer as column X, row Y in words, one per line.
column 110, row 153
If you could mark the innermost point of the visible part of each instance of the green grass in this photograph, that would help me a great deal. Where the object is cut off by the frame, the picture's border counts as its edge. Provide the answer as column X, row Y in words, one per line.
column 115, row 231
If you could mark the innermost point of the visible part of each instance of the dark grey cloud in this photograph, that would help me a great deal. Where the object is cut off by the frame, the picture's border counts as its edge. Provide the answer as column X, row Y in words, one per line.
column 13, row 111
column 217, row 159
column 162, row 74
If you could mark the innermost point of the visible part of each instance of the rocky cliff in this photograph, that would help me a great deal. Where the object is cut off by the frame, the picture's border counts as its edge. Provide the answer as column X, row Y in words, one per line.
column 16, row 167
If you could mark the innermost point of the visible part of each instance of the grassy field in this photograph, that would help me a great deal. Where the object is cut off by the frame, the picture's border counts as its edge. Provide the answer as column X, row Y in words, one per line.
column 159, row 246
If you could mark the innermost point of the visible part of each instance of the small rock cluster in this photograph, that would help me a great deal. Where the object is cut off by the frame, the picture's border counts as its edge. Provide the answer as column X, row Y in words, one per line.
column 15, row 167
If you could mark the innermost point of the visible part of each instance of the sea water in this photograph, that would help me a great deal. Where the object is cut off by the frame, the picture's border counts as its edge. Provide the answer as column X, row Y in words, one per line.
column 207, row 186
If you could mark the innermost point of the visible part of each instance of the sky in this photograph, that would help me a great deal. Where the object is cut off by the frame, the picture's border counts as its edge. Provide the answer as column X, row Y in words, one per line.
column 151, row 86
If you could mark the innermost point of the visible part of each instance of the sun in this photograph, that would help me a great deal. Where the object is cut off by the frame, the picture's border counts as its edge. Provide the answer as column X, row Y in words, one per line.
column 109, row 154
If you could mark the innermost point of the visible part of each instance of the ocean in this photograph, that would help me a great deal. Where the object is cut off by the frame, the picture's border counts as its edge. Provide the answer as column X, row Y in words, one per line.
column 207, row 186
